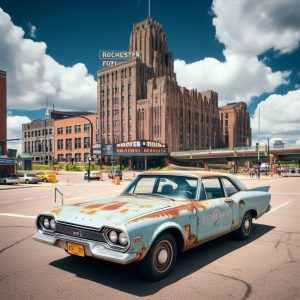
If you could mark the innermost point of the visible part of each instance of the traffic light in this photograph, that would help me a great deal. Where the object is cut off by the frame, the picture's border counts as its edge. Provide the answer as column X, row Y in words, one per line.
column 256, row 146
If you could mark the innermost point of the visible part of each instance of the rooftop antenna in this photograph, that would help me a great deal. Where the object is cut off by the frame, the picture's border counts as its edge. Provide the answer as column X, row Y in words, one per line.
column 149, row 2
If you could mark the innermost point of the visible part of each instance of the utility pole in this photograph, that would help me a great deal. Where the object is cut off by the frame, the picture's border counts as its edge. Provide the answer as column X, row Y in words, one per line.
column 258, row 154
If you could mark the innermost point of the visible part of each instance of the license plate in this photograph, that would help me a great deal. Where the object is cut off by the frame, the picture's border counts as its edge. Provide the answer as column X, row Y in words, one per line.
column 76, row 249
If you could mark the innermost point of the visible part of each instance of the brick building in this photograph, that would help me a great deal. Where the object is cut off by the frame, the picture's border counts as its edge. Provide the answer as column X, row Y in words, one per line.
column 235, row 125
column 3, row 122
column 140, row 99
column 72, row 138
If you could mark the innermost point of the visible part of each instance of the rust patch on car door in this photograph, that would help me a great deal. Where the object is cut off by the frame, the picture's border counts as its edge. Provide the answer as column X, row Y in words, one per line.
column 189, row 237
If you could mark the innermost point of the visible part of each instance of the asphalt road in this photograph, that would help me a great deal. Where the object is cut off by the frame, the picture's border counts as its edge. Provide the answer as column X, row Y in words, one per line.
column 264, row 267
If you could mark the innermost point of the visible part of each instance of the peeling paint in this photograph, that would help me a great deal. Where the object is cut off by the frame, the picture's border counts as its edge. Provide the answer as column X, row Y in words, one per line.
column 94, row 208
column 166, row 213
column 190, row 238
column 56, row 211
column 141, row 254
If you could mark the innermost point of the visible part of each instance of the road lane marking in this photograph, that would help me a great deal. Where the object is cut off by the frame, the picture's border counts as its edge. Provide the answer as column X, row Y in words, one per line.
column 280, row 206
column 285, row 193
column 5, row 202
column 28, row 198
column 17, row 216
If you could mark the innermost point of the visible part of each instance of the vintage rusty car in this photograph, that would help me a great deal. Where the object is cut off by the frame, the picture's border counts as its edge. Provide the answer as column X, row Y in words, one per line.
column 159, row 215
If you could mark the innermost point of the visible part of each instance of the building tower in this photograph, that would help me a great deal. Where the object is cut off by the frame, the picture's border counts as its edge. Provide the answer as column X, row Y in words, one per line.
column 149, row 38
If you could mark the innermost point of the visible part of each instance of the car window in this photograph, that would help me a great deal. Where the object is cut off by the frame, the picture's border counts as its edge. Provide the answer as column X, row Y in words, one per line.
column 229, row 187
column 144, row 185
column 213, row 188
column 166, row 184
column 21, row 175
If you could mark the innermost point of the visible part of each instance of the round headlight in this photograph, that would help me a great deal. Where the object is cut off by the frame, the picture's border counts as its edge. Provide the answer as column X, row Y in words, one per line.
column 113, row 236
column 52, row 224
column 46, row 223
column 123, row 239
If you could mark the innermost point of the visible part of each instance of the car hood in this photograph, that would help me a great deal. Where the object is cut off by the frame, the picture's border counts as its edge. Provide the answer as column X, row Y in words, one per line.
column 109, row 212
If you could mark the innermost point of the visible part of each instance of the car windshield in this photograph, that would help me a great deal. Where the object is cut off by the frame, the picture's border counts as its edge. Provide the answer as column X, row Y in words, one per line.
column 168, row 186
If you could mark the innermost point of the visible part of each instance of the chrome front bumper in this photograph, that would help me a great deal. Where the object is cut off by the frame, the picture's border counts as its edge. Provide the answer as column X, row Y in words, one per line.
column 94, row 249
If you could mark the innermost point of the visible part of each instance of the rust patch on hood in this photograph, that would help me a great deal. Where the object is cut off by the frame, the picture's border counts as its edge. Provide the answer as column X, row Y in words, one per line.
column 166, row 213
column 146, row 206
column 56, row 211
column 124, row 211
column 200, row 204
column 141, row 254
column 190, row 237
column 94, row 208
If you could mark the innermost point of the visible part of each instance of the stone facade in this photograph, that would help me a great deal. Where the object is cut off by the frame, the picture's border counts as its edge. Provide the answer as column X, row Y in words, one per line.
column 38, row 139
column 141, row 99
column 3, row 123
column 235, row 125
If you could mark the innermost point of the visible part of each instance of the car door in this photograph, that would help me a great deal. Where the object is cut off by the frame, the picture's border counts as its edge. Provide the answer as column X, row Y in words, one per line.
column 215, row 209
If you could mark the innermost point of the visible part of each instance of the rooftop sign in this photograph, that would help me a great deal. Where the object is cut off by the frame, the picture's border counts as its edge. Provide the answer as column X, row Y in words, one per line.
column 110, row 58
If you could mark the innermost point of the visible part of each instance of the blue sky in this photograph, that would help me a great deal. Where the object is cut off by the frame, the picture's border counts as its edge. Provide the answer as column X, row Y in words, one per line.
column 244, row 50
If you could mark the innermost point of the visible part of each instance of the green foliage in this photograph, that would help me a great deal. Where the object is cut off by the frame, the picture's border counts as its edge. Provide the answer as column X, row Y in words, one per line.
column 41, row 167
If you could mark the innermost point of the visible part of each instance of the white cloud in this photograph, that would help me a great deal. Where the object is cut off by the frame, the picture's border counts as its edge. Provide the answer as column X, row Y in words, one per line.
column 298, row 142
column 247, row 29
column 238, row 78
column 14, row 131
column 279, row 116
column 253, row 27
column 33, row 75
column 32, row 29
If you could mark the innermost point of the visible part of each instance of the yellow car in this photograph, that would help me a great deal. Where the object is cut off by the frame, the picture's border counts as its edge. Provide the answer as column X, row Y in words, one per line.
column 47, row 177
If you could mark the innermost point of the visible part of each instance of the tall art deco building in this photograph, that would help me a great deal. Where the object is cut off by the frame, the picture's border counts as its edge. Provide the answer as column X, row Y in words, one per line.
column 140, row 99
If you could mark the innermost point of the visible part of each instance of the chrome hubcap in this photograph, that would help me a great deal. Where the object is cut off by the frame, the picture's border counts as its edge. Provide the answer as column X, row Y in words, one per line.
column 247, row 224
column 162, row 256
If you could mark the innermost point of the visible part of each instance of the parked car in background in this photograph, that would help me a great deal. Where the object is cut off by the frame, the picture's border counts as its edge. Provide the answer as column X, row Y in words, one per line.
column 47, row 177
column 158, row 215
column 114, row 173
column 94, row 175
column 28, row 178
column 9, row 179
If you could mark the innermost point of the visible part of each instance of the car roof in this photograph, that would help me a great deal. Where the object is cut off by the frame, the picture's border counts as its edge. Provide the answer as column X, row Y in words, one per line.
column 199, row 174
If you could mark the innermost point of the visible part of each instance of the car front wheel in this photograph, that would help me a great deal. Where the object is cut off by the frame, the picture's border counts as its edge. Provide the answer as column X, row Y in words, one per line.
column 245, row 229
column 160, row 259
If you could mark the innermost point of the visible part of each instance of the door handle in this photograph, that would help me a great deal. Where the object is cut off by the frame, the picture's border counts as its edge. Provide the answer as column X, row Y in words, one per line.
column 228, row 201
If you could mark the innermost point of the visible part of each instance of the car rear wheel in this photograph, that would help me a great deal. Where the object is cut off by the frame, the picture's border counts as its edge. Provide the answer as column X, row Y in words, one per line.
column 244, row 230
column 26, row 181
column 160, row 258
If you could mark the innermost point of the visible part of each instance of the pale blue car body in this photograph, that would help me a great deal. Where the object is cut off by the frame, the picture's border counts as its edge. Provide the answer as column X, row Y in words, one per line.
column 143, row 219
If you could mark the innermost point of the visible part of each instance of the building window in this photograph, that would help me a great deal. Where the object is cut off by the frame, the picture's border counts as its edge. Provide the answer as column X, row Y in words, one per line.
column 60, row 130
column 77, row 143
column 39, row 133
column 68, row 157
column 87, row 142
column 86, row 156
column 60, row 157
column 77, row 157
column 77, row 128
column 60, row 144
column 25, row 134
column 50, row 131
column 69, row 129
column 68, row 144
column 86, row 127
column 130, row 72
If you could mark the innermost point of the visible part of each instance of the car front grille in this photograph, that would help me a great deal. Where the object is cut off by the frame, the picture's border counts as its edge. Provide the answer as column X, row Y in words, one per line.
column 80, row 232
